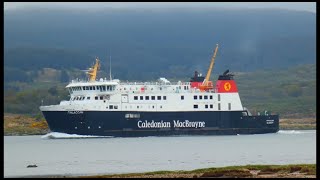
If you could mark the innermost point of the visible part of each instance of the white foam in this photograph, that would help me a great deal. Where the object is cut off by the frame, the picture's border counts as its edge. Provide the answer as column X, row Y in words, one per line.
column 57, row 135
column 289, row 132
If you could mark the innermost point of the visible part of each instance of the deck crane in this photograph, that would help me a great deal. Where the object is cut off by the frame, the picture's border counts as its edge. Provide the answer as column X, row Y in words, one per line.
column 92, row 72
column 207, row 84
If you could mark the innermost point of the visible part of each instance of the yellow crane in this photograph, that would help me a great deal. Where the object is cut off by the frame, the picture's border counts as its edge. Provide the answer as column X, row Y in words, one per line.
column 207, row 84
column 92, row 72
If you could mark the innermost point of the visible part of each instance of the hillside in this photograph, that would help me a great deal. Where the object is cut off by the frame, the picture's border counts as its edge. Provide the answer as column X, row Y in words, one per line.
column 288, row 92
column 157, row 43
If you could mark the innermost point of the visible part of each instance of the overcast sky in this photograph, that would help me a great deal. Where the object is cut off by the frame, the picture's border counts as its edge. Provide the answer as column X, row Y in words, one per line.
column 300, row 6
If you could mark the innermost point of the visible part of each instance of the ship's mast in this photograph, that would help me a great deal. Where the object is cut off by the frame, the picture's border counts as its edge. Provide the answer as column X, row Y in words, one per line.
column 110, row 69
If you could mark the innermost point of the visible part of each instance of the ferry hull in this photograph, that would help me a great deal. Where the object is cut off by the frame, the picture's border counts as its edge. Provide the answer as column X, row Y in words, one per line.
column 120, row 124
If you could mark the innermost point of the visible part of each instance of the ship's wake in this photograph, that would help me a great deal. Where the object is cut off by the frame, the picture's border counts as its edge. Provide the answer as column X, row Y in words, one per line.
column 57, row 135
column 291, row 132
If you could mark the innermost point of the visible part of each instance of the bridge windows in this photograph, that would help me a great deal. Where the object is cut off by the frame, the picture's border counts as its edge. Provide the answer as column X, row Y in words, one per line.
column 195, row 97
column 147, row 97
column 205, row 97
column 141, row 97
column 210, row 96
column 200, row 97
column 164, row 97
column 206, row 106
column 159, row 98
column 211, row 106
column 135, row 97
column 153, row 98
column 182, row 97
column 195, row 106
column 96, row 97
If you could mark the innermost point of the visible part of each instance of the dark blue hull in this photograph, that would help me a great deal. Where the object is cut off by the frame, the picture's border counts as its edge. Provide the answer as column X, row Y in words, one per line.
column 137, row 124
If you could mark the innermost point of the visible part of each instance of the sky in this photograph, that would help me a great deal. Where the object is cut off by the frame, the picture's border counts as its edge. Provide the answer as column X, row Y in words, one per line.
column 299, row 6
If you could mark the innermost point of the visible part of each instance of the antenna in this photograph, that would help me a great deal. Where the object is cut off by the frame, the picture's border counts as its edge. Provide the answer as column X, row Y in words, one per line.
column 110, row 69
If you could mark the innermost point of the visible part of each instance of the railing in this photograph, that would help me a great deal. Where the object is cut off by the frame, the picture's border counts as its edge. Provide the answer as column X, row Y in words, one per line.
column 131, row 83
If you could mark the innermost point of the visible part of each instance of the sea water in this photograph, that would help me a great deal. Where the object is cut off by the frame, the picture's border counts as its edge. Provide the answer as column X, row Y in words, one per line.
column 67, row 155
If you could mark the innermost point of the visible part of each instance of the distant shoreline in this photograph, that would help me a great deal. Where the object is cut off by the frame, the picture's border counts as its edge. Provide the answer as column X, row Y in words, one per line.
column 247, row 171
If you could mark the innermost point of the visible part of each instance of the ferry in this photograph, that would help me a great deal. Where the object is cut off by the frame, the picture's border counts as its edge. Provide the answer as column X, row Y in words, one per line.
column 110, row 107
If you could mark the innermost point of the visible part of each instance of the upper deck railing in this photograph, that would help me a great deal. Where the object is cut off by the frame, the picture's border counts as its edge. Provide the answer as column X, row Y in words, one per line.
column 129, row 83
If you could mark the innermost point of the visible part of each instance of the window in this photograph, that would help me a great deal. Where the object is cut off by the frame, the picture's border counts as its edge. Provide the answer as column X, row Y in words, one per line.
column 103, row 88
column 206, row 106
column 83, row 88
column 205, row 97
column 153, row 98
column 229, row 106
column 97, row 87
column 87, row 87
column 159, row 97
column 195, row 97
column 137, row 107
column 195, row 106
column 115, row 107
column 101, row 97
column 211, row 106
column 96, row 98
column 110, row 106
column 94, row 88
column 135, row 97
column 164, row 97
column 88, row 97
column 200, row 97
column 141, row 97
column 182, row 97
column 90, row 87
column 210, row 96
column 219, row 108
column 218, row 97
column 147, row 97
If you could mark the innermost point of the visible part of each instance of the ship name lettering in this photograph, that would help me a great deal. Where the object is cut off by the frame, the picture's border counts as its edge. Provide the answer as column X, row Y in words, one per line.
column 152, row 124
column 75, row 112
column 189, row 124
column 176, row 123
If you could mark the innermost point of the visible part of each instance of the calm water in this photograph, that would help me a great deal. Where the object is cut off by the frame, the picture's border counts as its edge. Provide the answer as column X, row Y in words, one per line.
column 82, row 156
